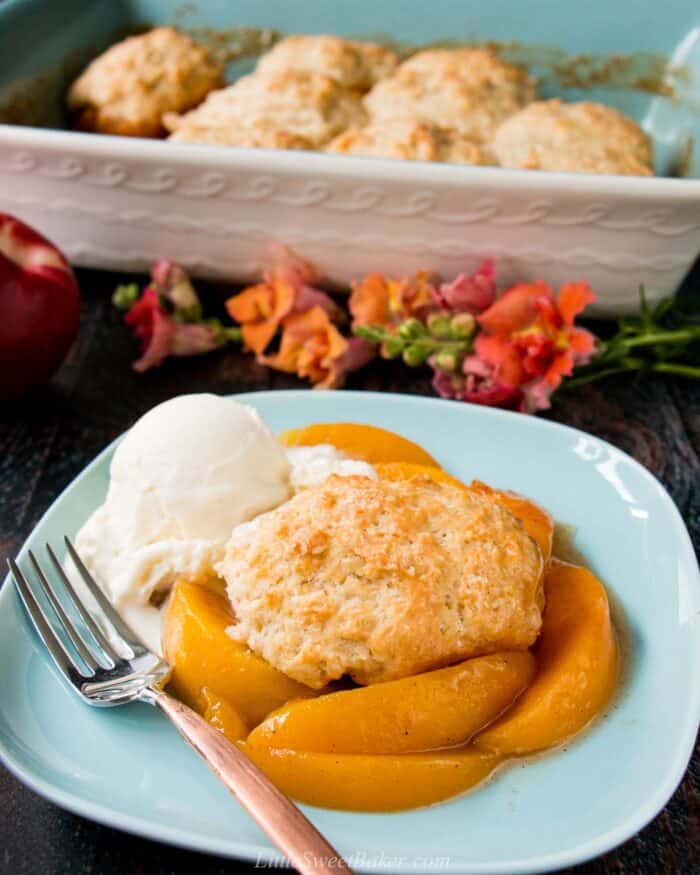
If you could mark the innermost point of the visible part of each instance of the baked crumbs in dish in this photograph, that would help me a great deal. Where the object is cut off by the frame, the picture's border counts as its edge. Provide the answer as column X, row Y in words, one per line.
column 289, row 103
column 472, row 90
column 585, row 136
column 409, row 140
column 353, row 97
column 128, row 89
column 353, row 64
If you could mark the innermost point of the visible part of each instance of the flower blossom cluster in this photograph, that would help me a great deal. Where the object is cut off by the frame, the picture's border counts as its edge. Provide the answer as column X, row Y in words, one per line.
column 508, row 349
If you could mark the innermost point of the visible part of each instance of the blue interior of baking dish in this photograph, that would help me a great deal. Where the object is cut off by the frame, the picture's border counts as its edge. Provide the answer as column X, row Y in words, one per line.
column 616, row 48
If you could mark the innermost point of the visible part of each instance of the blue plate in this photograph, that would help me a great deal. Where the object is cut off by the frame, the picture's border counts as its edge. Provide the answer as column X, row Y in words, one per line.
column 128, row 768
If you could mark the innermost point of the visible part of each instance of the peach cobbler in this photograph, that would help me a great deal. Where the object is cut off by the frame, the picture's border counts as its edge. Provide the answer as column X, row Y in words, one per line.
column 374, row 633
column 465, row 105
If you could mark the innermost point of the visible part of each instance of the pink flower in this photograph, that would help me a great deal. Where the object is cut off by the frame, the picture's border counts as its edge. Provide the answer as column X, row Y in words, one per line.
column 468, row 294
column 161, row 335
column 476, row 384
column 171, row 281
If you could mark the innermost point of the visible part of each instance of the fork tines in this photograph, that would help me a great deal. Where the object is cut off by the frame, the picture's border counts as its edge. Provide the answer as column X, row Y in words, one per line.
column 83, row 650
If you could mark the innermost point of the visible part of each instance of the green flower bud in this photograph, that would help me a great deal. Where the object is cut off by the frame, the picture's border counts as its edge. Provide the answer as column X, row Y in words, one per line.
column 440, row 325
column 446, row 360
column 412, row 329
column 416, row 355
column 126, row 295
column 392, row 347
column 463, row 325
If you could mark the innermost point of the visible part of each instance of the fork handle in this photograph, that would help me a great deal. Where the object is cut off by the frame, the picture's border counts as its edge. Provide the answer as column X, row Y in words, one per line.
column 278, row 816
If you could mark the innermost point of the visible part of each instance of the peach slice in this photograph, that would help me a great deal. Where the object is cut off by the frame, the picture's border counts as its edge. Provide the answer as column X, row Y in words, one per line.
column 439, row 708
column 366, row 442
column 223, row 716
column 577, row 659
column 357, row 782
column 202, row 655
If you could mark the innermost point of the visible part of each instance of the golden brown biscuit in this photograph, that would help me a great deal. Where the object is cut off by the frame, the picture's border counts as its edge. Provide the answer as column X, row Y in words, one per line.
column 257, row 136
column 379, row 579
column 128, row 88
column 294, row 104
column 353, row 64
column 580, row 137
column 471, row 90
column 408, row 140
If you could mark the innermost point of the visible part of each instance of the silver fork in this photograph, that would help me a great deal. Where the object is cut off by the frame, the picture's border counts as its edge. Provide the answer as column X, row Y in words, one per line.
column 103, row 675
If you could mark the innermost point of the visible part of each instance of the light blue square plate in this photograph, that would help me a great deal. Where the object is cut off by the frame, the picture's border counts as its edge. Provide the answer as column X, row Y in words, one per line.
column 128, row 768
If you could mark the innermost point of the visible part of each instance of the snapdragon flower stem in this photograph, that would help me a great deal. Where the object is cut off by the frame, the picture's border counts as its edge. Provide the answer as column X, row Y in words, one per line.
column 654, row 338
column 436, row 343
column 678, row 369
column 575, row 382
column 634, row 364
column 231, row 333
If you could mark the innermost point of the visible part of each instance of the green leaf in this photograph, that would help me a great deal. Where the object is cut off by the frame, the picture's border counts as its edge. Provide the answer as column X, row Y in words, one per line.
column 664, row 306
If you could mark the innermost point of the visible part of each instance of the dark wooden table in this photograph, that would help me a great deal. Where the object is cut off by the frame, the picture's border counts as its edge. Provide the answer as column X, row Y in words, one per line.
column 46, row 440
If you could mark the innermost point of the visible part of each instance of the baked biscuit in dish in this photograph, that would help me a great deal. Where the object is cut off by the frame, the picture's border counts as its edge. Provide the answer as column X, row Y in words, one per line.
column 379, row 579
column 260, row 135
column 357, row 65
column 408, row 140
column 472, row 90
column 293, row 103
column 129, row 88
column 580, row 137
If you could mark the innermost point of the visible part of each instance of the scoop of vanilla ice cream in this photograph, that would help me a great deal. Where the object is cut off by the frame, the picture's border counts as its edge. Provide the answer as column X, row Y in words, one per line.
column 185, row 474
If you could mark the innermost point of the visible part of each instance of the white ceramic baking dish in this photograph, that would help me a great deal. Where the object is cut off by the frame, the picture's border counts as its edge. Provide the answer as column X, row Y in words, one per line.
column 120, row 203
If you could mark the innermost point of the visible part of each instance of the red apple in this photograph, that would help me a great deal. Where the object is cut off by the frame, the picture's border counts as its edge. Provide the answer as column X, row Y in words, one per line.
column 39, row 307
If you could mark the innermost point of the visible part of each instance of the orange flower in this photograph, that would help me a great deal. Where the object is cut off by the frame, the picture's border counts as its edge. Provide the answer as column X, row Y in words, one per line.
column 261, row 309
column 381, row 301
column 313, row 348
column 529, row 338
